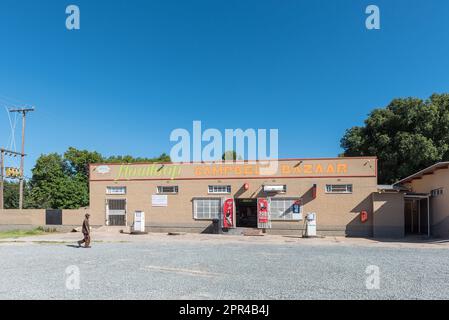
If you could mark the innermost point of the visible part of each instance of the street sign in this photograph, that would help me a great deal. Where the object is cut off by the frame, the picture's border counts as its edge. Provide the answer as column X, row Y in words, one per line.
column 13, row 173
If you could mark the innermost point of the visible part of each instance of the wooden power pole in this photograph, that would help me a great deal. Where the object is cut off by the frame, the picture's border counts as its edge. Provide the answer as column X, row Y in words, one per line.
column 2, row 166
column 23, row 111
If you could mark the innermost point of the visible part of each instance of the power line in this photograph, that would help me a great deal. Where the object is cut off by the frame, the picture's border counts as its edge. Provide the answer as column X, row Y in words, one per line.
column 24, row 112
column 12, row 141
column 13, row 101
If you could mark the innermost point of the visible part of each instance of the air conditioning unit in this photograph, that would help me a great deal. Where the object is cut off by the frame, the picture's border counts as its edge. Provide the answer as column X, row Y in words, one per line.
column 273, row 188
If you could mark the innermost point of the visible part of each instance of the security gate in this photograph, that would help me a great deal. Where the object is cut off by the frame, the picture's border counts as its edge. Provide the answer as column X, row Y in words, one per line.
column 53, row 217
column 116, row 212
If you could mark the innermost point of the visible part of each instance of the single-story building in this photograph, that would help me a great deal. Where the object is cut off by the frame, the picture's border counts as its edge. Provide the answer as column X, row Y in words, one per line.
column 273, row 195
column 188, row 197
column 426, row 201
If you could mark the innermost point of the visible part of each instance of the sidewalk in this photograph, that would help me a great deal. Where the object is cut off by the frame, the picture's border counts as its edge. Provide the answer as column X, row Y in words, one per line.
column 114, row 236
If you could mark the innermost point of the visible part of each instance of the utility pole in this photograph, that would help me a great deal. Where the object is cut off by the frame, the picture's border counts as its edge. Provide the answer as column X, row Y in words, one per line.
column 2, row 165
column 4, row 152
column 23, row 111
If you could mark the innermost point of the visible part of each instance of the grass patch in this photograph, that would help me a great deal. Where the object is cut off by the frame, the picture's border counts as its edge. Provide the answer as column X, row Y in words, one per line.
column 14, row 234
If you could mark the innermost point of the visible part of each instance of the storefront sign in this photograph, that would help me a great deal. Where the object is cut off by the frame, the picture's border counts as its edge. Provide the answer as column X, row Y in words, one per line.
column 12, row 172
column 103, row 169
column 159, row 200
column 246, row 170
column 296, row 206
column 297, row 210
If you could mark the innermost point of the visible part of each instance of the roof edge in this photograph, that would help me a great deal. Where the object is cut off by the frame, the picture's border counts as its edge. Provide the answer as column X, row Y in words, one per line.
column 432, row 168
column 236, row 161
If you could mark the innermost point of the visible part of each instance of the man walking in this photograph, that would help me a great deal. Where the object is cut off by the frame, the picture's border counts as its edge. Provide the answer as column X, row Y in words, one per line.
column 86, row 233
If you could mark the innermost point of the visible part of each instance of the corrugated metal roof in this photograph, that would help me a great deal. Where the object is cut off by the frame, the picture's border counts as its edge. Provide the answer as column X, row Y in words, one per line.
column 390, row 187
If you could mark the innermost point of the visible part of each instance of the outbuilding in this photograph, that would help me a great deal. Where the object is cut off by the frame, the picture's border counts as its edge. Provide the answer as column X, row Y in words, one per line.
column 426, row 208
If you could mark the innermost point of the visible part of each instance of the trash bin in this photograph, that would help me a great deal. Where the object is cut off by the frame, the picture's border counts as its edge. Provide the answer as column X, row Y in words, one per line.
column 216, row 226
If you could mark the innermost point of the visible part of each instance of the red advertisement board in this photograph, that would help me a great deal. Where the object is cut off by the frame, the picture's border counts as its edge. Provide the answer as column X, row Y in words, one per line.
column 262, row 210
column 228, row 213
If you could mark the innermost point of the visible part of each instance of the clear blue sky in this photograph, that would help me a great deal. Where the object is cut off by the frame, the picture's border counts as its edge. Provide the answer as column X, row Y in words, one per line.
column 138, row 69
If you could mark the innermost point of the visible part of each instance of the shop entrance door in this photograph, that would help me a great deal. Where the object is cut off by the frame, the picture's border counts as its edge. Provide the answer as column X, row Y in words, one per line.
column 246, row 213
column 416, row 219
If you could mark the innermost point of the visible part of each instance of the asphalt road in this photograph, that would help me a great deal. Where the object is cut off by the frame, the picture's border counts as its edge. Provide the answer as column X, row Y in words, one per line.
column 207, row 270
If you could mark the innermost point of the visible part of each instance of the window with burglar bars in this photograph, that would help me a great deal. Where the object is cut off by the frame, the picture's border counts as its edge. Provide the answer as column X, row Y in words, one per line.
column 167, row 189
column 220, row 189
column 116, row 212
column 339, row 188
column 117, row 206
column 115, row 190
column 282, row 209
column 206, row 208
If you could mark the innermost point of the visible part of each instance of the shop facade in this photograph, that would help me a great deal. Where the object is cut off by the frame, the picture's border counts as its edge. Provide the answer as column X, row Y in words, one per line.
column 274, row 196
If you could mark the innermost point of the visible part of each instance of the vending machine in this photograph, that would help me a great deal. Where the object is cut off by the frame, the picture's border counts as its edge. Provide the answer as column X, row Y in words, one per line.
column 263, row 213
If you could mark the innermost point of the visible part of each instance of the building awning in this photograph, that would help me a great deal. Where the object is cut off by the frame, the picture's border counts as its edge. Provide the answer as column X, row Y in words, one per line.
column 390, row 188
column 428, row 171
column 411, row 195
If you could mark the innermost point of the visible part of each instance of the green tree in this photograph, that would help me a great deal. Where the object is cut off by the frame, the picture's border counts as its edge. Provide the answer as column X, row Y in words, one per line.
column 406, row 136
column 130, row 159
column 54, row 185
column 11, row 195
column 229, row 155
column 77, row 161
column 62, row 182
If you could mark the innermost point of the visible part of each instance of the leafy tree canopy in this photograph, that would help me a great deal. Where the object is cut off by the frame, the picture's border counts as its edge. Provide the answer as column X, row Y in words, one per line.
column 62, row 181
column 130, row 159
column 406, row 136
column 231, row 155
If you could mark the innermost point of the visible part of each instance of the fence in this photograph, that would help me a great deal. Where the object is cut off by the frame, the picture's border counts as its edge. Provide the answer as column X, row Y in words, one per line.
column 41, row 217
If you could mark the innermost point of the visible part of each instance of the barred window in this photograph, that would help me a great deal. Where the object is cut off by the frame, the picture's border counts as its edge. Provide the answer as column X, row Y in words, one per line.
column 282, row 209
column 115, row 190
column 338, row 188
column 167, row 189
column 206, row 208
column 219, row 189
column 116, row 206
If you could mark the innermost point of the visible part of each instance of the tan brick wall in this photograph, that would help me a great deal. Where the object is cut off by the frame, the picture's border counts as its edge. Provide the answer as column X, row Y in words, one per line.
column 388, row 215
column 335, row 212
column 36, row 217
column 73, row 217
column 22, row 217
